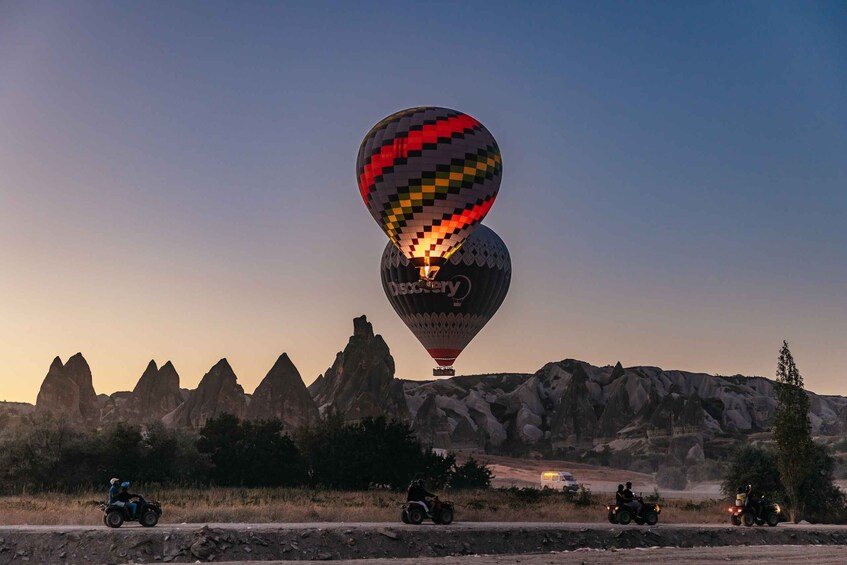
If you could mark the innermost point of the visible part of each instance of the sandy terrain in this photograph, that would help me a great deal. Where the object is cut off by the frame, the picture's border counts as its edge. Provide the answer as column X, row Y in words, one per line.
column 510, row 471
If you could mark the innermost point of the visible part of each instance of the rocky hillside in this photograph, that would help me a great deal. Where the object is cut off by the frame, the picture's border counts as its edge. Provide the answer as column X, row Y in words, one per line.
column 637, row 417
column 671, row 417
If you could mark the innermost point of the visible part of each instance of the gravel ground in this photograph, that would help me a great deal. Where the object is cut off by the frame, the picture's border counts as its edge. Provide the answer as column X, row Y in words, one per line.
column 514, row 543
column 738, row 555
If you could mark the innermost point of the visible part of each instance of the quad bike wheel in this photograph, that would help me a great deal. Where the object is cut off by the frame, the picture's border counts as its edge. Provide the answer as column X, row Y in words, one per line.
column 651, row 518
column 624, row 517
column 404, row 516
column 748, row 519
column 446, row 517
column 114, row 519
column 736, row 521
column 613, row 518
column 149, row 519
column 416, row 516
column 772, row 519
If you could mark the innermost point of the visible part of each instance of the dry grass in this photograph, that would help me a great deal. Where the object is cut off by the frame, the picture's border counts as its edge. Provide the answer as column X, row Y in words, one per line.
column 299, row 505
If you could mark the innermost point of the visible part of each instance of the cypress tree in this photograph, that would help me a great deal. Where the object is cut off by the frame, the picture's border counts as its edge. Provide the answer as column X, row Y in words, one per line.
column 792, row 432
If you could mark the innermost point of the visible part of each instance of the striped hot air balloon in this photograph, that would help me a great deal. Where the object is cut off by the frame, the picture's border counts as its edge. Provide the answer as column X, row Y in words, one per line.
column 446, row 314
column 428, row 176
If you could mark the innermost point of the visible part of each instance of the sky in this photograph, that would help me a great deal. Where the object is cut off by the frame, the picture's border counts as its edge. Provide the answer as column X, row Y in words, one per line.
column 177, row 182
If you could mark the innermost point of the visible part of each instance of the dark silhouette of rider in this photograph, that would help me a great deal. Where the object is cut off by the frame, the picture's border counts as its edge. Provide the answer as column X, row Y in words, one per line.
column 619, row 498
column 629, row 499
column 417, row 493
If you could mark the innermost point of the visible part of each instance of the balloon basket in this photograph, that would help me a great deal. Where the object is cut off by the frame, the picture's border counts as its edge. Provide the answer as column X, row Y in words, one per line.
column 444, row 372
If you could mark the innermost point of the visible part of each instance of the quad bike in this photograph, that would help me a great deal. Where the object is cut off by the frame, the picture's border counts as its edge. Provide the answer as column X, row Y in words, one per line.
column 622, row 514
column 147, row 513
column 760, row 513
column 414, row 512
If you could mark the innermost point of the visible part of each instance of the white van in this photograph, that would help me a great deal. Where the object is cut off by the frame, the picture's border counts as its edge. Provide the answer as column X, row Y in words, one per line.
column 559, row 480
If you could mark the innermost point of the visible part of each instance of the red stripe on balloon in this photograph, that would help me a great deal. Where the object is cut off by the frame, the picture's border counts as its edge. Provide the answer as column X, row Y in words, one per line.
column 399, row 149
column 444, row 357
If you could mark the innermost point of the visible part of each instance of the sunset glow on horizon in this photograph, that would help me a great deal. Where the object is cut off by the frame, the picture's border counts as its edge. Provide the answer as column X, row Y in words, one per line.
column 178, row 182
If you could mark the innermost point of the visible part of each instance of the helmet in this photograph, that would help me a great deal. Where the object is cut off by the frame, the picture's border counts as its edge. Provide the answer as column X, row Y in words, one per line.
column 125, row 485
column 628, row 484
column 114, row 481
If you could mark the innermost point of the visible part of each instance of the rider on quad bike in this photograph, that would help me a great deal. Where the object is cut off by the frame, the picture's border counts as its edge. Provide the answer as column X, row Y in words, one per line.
column 628, row 507
column 422, row 504
column 120, row 509
column 417, row 493
column 749, row 509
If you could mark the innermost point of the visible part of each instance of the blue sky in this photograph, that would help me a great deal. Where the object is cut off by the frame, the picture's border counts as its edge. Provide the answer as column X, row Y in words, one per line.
column 177, row 181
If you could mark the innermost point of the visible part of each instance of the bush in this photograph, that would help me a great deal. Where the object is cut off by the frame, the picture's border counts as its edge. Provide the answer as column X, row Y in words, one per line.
column 471, row 475
column 582, row 497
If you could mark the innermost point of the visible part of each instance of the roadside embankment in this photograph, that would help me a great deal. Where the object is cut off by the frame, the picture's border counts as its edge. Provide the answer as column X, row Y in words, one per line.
column 323, row 541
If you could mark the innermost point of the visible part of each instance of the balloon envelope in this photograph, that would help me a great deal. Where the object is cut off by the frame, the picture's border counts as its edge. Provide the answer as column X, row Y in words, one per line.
column 446, row 314
column 428, row 176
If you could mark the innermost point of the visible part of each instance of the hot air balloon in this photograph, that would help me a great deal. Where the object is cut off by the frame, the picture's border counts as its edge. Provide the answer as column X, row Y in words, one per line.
column 446, row 314
column 428, row 176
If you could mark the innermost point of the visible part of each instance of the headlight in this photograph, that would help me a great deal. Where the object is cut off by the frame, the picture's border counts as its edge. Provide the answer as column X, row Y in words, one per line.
column 778, row 509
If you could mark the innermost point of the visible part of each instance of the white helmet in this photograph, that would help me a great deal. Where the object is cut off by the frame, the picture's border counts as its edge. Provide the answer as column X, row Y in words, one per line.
column 115, row 481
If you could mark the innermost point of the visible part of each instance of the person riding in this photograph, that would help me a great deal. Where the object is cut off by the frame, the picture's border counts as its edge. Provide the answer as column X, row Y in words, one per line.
column 750, row 502
column 114, row 490
column 629, row 499
column 417, row 493
column 619, row 498
column 126, row 497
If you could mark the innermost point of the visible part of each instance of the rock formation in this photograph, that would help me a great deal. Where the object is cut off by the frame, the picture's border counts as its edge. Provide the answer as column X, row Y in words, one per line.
column 67, row 391
column 361, row 382
column 79, row 372
column 218, row 393
column 641, row 417
column 282, row 395
column 157, row 392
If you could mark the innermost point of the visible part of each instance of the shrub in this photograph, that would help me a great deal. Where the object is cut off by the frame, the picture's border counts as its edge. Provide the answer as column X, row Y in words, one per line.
column 471, row 475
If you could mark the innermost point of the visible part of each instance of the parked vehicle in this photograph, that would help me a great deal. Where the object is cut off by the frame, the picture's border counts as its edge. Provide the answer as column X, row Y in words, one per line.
column 147, row 513
column 439, row 511
column 622, row 514
column 559, row 480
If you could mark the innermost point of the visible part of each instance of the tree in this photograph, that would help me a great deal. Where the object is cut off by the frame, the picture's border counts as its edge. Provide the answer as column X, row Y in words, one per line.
column 753, row 466
column 824, row 501
column 792, row 432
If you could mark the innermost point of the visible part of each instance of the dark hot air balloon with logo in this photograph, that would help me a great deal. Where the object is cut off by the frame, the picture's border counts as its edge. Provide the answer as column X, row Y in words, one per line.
column 428, row 176
column 446, row 314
